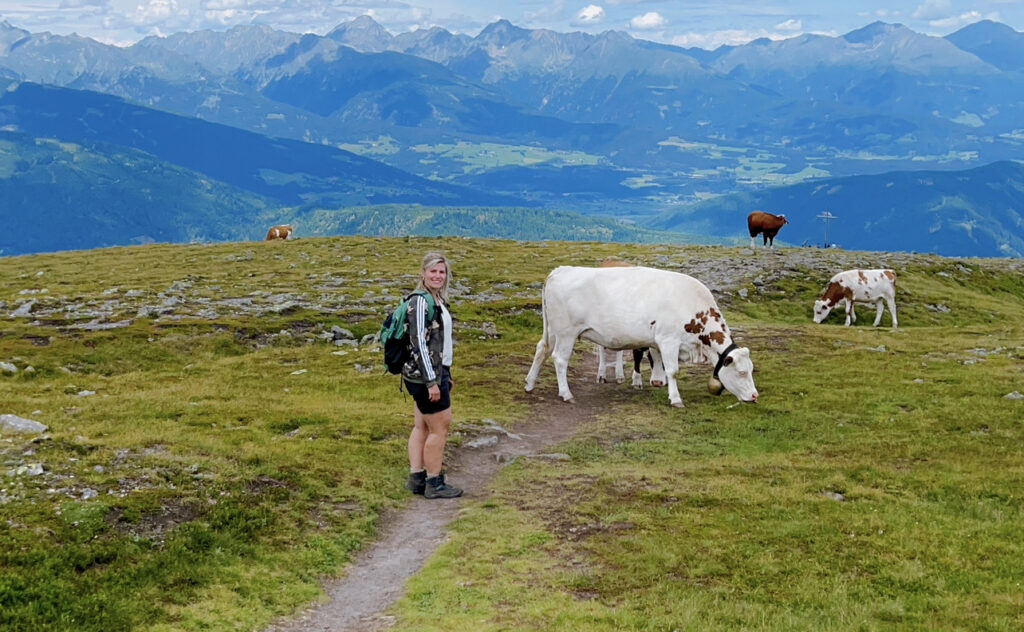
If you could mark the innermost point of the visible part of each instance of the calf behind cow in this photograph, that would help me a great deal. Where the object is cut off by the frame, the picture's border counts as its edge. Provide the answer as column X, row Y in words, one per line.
column 859, row 286
column 627, row 308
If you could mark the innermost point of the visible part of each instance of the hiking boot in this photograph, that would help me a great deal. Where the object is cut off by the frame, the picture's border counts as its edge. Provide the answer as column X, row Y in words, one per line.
column 417, row 482
column 437, row 488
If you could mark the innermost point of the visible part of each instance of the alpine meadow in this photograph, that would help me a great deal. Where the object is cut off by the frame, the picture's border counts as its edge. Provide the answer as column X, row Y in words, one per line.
column 221, row 438
column 205, row 227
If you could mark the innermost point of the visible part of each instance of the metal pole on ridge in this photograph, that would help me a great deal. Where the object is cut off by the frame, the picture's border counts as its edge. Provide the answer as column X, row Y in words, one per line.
column 826, row 216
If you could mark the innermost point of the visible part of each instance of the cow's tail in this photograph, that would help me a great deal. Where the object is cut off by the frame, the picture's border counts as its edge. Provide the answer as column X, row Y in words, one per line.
column 543, row 345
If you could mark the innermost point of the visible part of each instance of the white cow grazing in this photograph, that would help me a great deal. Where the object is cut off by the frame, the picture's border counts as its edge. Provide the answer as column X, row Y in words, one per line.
column 859, row 286
column 627, row 308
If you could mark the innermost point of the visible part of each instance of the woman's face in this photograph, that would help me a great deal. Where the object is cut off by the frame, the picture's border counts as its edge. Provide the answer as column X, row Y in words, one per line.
column 435, row 276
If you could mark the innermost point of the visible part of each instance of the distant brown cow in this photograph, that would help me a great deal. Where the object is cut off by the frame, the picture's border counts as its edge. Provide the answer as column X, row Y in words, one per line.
column 279, row 232
column 766, row 224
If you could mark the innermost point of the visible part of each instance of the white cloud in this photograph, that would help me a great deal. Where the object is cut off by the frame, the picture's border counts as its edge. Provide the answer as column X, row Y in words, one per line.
column 648, row 21
column 590, row 14
column 958, row 21
column 82, row 4
column 155, row 11
column 791, row 26
column 933, row 10
column 713, row 39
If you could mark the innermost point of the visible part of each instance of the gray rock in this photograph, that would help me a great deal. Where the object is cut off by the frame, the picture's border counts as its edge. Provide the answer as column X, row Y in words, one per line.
column 7, row 367
column 24, row 309
column 482, row 442
column 554, row 456
column 1013, row 395
column 13, row 423
column 340, row 333
column 29, row 469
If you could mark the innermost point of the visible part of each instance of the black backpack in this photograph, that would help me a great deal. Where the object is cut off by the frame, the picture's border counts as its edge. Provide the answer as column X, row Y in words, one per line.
column 394, row 335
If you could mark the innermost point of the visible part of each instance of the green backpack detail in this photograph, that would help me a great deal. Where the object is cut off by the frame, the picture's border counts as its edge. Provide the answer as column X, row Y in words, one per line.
column 394, row 335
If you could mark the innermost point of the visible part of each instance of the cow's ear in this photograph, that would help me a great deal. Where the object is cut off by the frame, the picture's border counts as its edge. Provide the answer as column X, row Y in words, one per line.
column 727, row 361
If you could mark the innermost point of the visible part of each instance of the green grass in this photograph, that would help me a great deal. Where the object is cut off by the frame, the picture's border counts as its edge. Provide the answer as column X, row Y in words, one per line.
column 222, row 468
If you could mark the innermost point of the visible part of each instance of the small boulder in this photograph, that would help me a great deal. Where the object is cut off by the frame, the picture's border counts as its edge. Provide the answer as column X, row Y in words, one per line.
column 13, row 423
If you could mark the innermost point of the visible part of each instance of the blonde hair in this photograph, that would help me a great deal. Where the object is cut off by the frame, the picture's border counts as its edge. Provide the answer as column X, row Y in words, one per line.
column 430, row 260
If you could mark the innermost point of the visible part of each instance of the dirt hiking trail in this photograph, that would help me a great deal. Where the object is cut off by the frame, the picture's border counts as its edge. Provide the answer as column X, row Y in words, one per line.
column 376, row 579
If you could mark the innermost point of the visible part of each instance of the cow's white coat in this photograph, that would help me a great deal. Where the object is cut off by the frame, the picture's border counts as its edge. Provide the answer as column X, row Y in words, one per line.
column 859, row 286
column 632, row 307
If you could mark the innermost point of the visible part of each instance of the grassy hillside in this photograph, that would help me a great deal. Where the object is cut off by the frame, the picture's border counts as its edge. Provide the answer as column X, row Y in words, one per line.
column 69, row 196
column 493, row 223
column 211, row 453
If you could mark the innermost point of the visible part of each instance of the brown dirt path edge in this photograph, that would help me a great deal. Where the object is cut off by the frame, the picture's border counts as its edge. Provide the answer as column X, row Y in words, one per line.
column 376, row 579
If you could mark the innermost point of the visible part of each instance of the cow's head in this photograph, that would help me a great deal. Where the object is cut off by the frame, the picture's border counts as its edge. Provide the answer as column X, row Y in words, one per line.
column 822, row 308
column 734, row 372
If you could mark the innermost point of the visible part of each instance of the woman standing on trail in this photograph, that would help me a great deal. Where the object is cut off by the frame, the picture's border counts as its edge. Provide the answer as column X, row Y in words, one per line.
column 427, row 377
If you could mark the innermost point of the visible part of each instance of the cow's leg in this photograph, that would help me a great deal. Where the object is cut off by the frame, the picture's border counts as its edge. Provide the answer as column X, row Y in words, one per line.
column 657, row 368
column 620, row 375
column 880, row 307
column 560, row 356
column 602, row 366
column 538, row 359
column 752, row 245
column 638, row 358
column 892, row 310
column 670, row 360
column 851, row 316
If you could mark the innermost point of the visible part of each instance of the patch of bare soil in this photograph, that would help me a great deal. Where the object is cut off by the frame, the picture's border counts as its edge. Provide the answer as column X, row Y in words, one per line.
column 377, row 577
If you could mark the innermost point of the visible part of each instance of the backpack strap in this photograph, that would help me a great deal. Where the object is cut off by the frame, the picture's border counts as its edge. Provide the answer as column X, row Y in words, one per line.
column 429, row 298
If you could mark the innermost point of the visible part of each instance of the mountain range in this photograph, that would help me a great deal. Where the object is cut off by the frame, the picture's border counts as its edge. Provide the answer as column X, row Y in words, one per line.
column 604, row 126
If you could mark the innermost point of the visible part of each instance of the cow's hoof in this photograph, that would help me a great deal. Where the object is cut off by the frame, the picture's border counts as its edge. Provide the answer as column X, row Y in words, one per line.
column 638, row 387
column 569, row 400
column 601, row 380
column 620, row 380
column 678, row 405
column 529, row 389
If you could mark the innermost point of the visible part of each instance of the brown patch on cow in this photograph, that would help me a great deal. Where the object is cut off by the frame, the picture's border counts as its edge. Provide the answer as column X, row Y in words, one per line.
column 279, row 232
column 889, row 274
column 718, row 337
column 834, row 293
column 715, row 314
column 861, row 277
column 694, row 327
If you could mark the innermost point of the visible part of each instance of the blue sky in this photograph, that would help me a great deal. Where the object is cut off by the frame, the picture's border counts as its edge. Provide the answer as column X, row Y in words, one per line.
column 681, row 22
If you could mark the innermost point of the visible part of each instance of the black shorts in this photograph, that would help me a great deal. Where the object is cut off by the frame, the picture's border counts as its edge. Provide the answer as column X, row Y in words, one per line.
column 420, row 393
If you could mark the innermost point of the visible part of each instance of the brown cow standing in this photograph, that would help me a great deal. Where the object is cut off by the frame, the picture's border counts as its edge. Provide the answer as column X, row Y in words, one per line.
column 766, row 224
column 279, row 232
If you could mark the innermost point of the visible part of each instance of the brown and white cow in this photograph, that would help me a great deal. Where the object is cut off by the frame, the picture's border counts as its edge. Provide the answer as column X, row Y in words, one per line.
column 767, row 225
column 859, row 286
column 628, row 308
column 283, row 231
